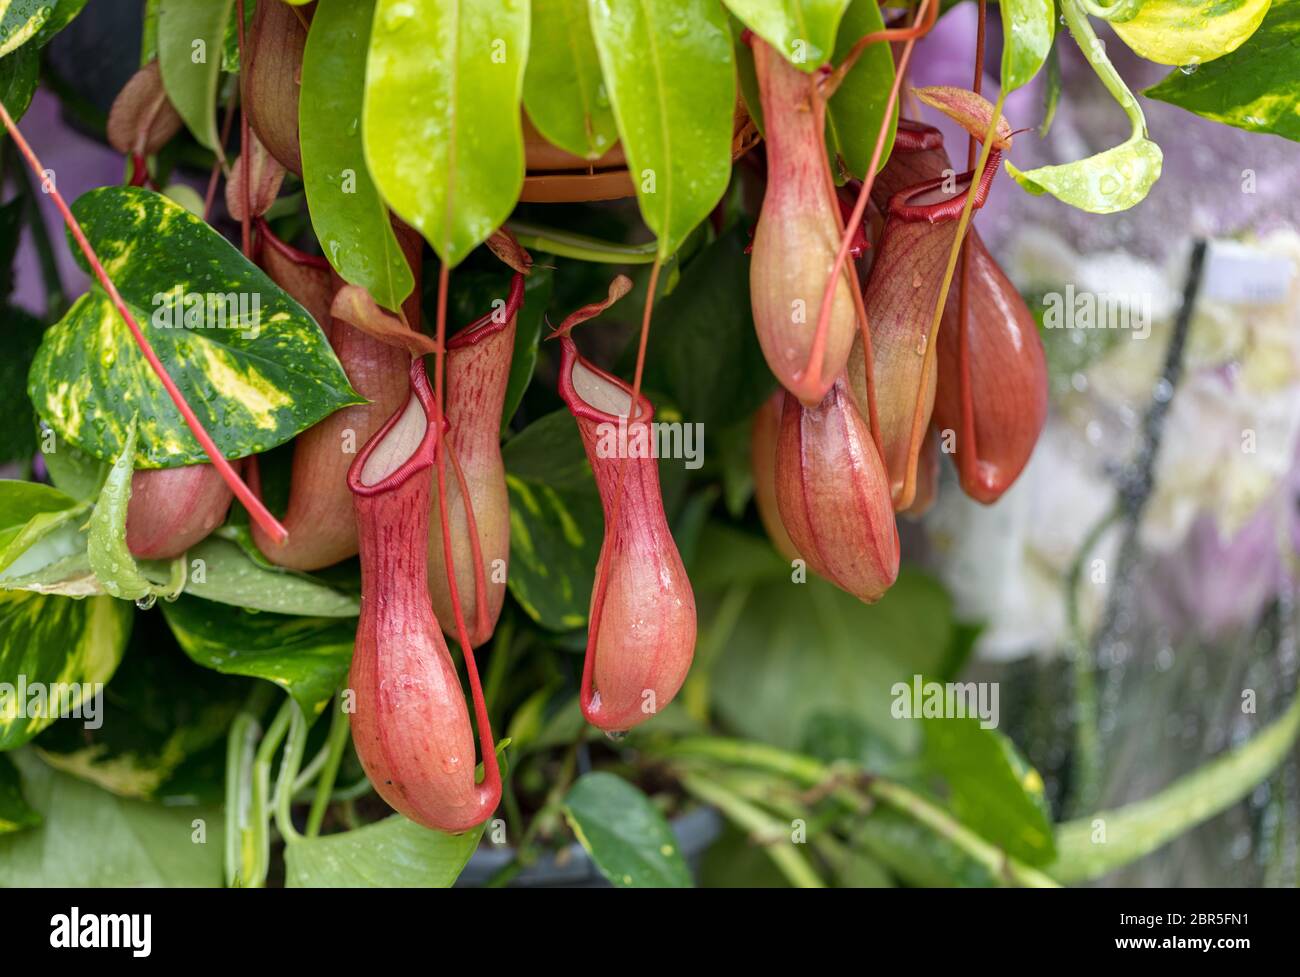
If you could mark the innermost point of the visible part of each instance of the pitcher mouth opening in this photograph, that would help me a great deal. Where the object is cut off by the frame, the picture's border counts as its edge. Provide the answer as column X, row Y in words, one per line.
column 403, row 447
column 592, row 394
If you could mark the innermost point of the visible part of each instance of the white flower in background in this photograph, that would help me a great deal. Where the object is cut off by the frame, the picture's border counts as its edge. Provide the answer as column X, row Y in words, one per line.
column 1228, row 444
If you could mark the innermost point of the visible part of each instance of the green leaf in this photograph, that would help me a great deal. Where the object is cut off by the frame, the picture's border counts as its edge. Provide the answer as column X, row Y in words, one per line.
column 802, row 30
column 556, row 522
column 306, row 656
column 72, row 471
column 221, row 571
column 992, row 789
column 90, row 838
column 917, row 855
column 442, row 126
column 1108, row 182
column 15, row 812
column 159, row 711
column 1188, row 32
column 230, row 42
column 856, row 110
column 394, row 853
column 20, row 21
column 563, row 91
column 19, row 74
column 255, row 379
column 351, row 222
column 705, row 356
column 190, row 36
column 65, row 12
column 671, row 81
column 1255, row 88
column 799, row 649
column 45, row 641
column 624, row 834
column 528, row 332
column 29, row 512
column 1028, row 27
column 110, row 560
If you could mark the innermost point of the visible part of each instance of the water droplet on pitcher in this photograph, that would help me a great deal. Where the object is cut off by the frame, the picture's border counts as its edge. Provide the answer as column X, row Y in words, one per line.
column 916, row 280
column 616, row 735
column 922, row 342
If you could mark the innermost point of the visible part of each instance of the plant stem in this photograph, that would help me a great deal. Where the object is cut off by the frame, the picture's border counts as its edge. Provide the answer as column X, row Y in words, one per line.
column 525, row 853
column 256, row 837
column 772, row 834
column 335, row 742
column 814, row 773
column 1095, row 52
column 290, row 763
column 566, row 244
column 1092, row 846
column 695, row 694
column 239, row 762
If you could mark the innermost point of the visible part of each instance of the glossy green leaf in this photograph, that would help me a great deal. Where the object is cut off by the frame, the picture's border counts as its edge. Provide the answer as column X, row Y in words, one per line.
column 1110, row 181
column 528, row 333
column 563, row 90
column 351, row 222
column 222, row 572
column 1027, row 28
column 799, row 649
column 110, row 560
column 20, row 21
column 45, row 641
column 669, row 71
column 30, row 511
column 624, row 834
column 19, row 74
column 306, row 656
column 1256, row 87
column 556, row 522
column 160, row 711
column 90, row 838
column 15, row 812
column 393, row 853
column 255, row 377
column 857, row 109
column 442, row 128
column 64, row 13
column 72, row 471
column 705, row 355
column 1189, row 32
column 991, row 788
column 802, row 30
column 190, row 36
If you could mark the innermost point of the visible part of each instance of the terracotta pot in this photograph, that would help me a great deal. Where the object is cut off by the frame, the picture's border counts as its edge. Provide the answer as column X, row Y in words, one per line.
column 556, row 176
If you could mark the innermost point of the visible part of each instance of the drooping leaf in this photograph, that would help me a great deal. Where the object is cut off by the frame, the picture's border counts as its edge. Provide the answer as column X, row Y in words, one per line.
column 802, row 30
column 556, row 522
column 1027, row 28
column 992, row 789
column 351, row 222
column 306, row 656
column 1110, row 181
column 51, row 641
column 1189, row 32
column 110, row 559
column 15, row 812
column 393, row 853
column 89, row 838
column 1256, row 87
column 190, row 37
column 856, row 110
column 624, row 834
column 564, row 92
column 669, row 72
column 442, row 128
column 254, row 365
